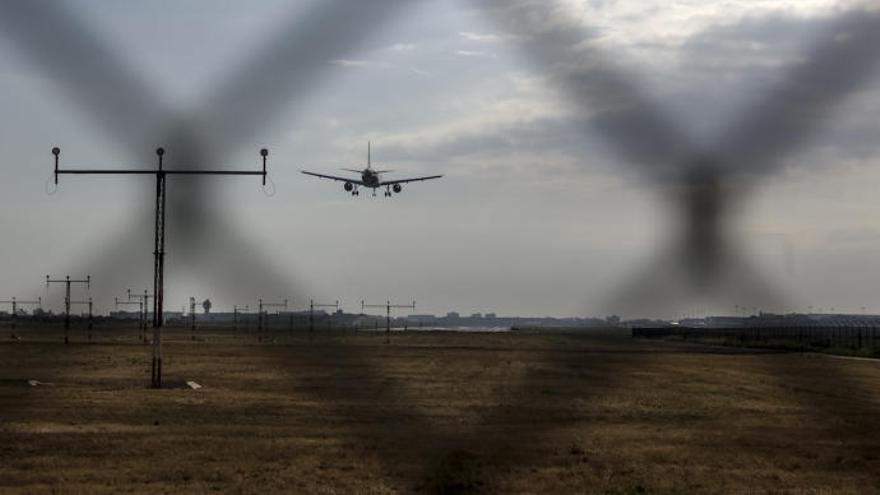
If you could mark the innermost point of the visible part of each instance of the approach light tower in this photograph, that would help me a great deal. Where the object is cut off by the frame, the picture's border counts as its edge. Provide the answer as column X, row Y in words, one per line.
column 145, row 310
column 140, row 304
column 192, row 318
column 312, row 307
column 67, row 281
column 263, row 317
column 15, row 304
column 236, row 310
column 161, row 175
column 388, row 307
column 89, row 304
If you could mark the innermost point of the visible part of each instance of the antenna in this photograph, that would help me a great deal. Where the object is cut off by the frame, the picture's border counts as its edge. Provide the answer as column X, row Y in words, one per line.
column 263, row 317
column 235, row 319
column 312, row 307
column 192, row 318
column 15, row 304
column 67, row 281
column 89, row 304
column 369, row 155
column 236, row 311
column 140, row 304
column 388, row 307
column 145, row 310
column 159, row 244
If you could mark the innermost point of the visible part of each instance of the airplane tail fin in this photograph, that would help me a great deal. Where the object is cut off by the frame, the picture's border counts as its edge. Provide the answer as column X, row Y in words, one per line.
column 369, row 155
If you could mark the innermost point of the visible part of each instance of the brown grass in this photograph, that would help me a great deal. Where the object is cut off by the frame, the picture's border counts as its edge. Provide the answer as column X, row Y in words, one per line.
column 435, row 413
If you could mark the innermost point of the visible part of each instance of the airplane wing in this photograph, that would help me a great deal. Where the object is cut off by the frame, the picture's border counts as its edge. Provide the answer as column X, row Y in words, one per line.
column 404, row 181
column 332, row 177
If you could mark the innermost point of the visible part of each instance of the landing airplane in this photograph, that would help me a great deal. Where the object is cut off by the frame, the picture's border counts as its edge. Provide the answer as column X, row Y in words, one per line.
column 371, row 178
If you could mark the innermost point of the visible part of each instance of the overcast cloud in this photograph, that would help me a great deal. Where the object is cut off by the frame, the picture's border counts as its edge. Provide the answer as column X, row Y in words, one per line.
column 561, row 139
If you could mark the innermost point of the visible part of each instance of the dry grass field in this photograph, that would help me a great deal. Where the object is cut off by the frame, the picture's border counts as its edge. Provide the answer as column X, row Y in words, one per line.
column 595, row 412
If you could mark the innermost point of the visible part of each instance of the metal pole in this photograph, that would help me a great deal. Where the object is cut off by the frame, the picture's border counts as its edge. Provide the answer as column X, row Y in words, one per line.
column 312, row 307
column 67, row 282
column 158, row 274
column 159, row 242
column 260, row 322
column 264, row 322
column 15, row 305
column 140, row 304
column 146, row 301
column 142, row 322
column 67, row 311
column 192, row 317
column 145, row 310
column 90, row 319
column 387, row 307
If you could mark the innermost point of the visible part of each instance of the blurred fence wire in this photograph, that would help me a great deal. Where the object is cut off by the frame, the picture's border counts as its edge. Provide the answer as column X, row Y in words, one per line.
column 708, row 185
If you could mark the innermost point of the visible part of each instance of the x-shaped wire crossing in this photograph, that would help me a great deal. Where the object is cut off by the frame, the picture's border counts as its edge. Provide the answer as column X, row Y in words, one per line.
column 708, row 184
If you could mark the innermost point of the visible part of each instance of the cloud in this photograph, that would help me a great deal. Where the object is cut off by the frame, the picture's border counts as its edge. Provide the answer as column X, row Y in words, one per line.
column 480, row 38
column 403, row 47
column 496, row 127
column 472, row 53
column 359, row 64
column 419, row 72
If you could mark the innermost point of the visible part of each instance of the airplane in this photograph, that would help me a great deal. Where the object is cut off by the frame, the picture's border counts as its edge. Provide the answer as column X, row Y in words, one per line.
column 371, row 178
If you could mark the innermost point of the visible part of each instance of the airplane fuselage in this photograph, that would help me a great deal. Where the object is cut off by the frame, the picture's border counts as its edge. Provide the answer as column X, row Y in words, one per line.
column 370, row 178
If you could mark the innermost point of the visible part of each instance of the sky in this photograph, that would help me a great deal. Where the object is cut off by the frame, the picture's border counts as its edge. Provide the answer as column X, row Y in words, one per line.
column 568, row 134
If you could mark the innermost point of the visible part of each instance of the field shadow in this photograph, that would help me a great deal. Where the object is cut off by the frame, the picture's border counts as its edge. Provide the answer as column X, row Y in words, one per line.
column 464, row 447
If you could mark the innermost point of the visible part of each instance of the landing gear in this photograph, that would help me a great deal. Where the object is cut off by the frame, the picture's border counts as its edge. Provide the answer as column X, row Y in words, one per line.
column 388, row 192
column 355, row 193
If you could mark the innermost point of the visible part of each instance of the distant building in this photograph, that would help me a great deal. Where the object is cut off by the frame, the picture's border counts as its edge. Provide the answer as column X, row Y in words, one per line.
column 476, row 316
column 452, row 315
column 171, row 315
column 125, row 315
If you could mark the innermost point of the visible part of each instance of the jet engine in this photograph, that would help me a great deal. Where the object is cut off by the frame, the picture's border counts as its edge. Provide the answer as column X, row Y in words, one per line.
column 349, row 186
column 397, row 188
